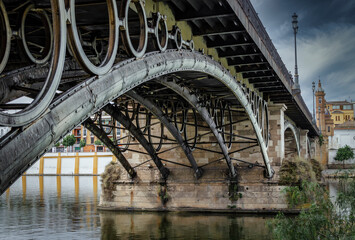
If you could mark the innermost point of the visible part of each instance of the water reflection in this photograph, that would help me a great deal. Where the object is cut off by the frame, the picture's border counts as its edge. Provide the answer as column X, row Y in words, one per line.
column 181, row 226
column 48, row 207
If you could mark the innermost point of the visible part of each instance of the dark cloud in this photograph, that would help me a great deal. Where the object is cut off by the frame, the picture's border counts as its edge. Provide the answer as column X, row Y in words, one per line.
column 326, row 42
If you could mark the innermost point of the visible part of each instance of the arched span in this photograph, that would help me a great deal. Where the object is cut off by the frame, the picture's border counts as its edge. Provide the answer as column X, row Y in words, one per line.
column 23, row 148
column 290, row 126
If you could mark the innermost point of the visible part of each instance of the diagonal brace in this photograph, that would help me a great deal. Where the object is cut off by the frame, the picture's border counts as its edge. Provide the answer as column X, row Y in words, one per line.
column 138, row 135
column 101, row 134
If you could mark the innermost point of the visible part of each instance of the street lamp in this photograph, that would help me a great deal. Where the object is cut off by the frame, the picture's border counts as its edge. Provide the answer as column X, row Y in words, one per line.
column 295, row 29
column 313, row 88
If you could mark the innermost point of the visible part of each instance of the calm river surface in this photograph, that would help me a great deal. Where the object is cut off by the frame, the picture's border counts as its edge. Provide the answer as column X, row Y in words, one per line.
column 65, row 208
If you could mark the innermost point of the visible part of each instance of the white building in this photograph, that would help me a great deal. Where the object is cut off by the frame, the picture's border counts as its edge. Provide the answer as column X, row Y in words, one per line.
column 3, row 131
column 344, row 134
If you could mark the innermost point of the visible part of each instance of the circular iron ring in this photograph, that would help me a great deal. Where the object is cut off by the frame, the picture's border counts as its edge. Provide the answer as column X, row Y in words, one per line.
column 77, row 48
column 48, row 90
column 48, row 29
column 161, row 44
column 5, row 43
column 143, row 26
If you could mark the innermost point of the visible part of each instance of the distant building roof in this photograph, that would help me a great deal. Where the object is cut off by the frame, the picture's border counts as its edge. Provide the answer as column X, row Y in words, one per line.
column 338, row 102
column 345, row 125
column 339, row 112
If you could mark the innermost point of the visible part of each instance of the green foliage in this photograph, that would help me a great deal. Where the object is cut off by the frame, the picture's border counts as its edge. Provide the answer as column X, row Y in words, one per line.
column 320, row 140
column 322, row 219
column 234, row 195
column 296, row 170
column 163, row 194
column 57, row 144
column 82, row 143
column 69, row 140
column 317, row 168
column 303, row 195
column 98, row 142
column 344, row 153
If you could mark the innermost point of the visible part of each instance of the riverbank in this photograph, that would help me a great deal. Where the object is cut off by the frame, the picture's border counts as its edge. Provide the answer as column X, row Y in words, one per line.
column 338, row 173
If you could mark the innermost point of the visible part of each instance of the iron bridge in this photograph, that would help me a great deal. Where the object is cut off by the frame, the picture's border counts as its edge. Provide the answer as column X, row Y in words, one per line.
column 188, row 68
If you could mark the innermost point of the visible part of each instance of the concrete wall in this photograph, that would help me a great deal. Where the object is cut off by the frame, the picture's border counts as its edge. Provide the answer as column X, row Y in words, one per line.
column 71, row 164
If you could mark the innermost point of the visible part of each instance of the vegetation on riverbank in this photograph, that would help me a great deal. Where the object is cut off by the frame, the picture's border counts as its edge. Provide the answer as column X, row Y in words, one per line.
column 322, row 218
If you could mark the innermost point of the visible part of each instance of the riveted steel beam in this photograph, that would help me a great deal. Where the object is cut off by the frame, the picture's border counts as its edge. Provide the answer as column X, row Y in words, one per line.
column 102, row 135
column 193, row 101
column 157, row 112
column 138, row 135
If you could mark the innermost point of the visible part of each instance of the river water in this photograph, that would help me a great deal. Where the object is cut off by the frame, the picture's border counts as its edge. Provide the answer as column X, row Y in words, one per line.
column 66, row 208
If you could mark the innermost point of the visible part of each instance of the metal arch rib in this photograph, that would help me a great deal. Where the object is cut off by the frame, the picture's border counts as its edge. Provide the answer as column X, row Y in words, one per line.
column 80, row 102
column 137, row 133
column 100, row 134
column 193, row 101
column 293, row 129
column 171, row 128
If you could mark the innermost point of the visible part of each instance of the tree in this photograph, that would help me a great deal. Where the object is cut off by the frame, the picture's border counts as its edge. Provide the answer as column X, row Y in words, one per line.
column 343, row 154
column 98, row 142
column 69, row 140
column 57, row 144
column 82, row 143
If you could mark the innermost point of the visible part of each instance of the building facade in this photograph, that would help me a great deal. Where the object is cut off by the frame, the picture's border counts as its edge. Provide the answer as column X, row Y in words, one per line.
column 341, row 111
column 344, row 134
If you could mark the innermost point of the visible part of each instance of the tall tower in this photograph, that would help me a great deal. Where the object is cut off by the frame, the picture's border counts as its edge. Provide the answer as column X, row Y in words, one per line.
column 320, row 107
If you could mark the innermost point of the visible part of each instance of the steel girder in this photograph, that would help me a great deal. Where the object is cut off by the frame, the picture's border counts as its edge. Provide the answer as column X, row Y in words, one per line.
column 20, row 149
column 101, row 134
column 157, row 112
column 194, row 102
column 137, row 133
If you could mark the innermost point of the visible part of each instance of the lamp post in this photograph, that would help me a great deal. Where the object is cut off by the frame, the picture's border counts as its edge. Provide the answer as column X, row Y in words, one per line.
column 295, row 29
column 313, row 88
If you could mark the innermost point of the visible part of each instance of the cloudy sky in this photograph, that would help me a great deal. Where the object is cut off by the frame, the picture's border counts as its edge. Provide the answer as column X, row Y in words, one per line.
column 325, row 42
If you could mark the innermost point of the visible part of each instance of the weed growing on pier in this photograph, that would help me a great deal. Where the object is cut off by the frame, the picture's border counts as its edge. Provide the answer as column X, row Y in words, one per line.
column 294, row 171
column 234, row 195
column 108, row 178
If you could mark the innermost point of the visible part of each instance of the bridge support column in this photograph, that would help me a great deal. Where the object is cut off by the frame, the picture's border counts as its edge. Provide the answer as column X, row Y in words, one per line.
column 276, row 148
column 304, row 144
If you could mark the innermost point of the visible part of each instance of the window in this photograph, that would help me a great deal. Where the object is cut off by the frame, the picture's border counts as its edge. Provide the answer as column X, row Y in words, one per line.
column 336, row 107
column 92, row 140
column 85, row 132
column 320, row 100
column 318, row 109
column 328, row 128
column 347, row 107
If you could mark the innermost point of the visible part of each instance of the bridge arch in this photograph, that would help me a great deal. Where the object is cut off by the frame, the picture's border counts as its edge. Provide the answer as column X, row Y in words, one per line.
column 20, row 149
column 292, row 140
